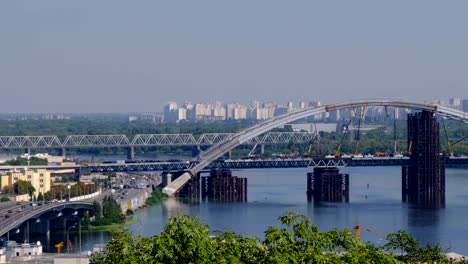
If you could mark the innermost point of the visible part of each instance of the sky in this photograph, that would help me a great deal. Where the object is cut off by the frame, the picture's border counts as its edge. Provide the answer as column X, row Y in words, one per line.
column 132, row 56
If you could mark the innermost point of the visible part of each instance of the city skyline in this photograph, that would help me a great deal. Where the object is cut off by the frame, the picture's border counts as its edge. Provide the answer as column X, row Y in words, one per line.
column 63, row 57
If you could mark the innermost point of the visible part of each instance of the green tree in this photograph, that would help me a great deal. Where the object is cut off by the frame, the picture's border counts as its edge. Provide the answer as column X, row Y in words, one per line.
column 109, row 212
column 8, row 189
column 410, row 249
column 97, row 208
column 40, row 197
column 23, row 187
column 48, row 196
column 86, row 220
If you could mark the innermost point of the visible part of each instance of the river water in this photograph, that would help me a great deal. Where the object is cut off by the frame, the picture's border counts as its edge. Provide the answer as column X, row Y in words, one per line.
column 272, row 192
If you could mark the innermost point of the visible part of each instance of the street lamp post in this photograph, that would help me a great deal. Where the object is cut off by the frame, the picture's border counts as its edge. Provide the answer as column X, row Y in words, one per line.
column 75, row 215
column 69, row 188
column 68, row 239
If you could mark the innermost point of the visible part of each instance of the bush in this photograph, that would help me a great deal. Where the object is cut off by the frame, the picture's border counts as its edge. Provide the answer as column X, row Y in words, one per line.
column 4, row 199
column 109, row 212
column 156, row 197
column 129, row 212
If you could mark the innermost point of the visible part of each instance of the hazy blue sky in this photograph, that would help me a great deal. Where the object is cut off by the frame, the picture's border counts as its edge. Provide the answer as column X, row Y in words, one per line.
column 105, row 56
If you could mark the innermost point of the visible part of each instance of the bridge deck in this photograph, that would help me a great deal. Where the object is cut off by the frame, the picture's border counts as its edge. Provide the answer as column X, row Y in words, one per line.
column 242, row 164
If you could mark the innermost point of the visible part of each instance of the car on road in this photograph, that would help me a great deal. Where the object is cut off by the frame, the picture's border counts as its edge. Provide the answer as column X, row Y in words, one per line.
column 10, row 211
column 7, row 216
column 19, row 210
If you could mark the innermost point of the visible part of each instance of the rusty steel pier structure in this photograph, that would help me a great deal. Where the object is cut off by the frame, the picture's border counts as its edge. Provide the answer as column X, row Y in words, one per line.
column 222, row 186
column 423, row 179
column 327, row 185
column 219, row 186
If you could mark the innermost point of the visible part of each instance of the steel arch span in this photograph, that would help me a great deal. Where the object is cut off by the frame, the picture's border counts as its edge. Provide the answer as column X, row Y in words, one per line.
column 230, row 143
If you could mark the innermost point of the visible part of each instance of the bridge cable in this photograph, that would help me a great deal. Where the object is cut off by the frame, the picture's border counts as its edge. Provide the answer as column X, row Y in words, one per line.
column 460, row 140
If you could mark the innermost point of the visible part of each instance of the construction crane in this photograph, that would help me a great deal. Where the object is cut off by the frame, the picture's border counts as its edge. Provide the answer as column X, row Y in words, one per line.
column 449, row 146
column 308, row 154
column 338, row 150
column 358, row 136
column 395, row 151
column 251, row 153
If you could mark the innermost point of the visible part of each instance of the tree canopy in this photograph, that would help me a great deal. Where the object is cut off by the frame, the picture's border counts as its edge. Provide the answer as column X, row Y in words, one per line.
column 187, row 240
column 23, row 187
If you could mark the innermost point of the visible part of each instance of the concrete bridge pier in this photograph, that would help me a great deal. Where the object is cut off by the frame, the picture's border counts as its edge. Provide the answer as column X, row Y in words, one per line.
column 47, row 226
column 62, row 152
column 131, row 153
column 196, row 150
column 27, row 151
column 166, row 179
column 262, row 149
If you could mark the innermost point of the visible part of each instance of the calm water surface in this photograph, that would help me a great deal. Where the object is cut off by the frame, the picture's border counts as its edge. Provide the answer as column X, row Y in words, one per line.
column 272, row 192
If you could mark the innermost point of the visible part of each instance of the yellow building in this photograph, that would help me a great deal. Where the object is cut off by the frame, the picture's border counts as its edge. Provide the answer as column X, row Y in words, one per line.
column 39, row 179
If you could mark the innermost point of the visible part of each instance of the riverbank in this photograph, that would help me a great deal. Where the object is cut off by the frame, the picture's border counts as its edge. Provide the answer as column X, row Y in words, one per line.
column 157, row 196
column 111, row 227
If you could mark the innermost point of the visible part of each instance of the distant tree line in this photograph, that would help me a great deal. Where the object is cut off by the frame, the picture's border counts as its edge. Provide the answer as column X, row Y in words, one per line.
column 380, row 140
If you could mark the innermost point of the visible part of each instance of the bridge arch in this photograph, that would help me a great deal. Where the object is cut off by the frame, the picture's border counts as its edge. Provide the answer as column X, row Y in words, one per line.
column 217, row 150
column 13, row 222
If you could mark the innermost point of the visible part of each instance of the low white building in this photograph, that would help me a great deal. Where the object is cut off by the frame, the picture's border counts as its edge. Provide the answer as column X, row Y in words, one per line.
column 26, row 249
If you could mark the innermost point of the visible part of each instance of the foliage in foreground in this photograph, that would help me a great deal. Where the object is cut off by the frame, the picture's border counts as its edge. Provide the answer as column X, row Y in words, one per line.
column 187, row 240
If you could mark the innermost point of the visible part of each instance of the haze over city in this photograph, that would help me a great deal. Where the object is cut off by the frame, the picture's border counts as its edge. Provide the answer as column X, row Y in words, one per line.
column 116, row 56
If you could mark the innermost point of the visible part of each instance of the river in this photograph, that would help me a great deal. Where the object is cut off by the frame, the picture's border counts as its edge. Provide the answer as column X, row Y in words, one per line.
column 272, row 192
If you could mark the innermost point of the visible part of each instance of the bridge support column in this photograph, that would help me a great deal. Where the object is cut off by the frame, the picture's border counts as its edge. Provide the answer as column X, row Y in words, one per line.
column 229, row 155
column 47, row 226
column 327, row 185
column 27, row 151
column 131, row 153
column 196, row 150
column 221, row 186
column 423, row 179
column 62, row 152
column 262, row 149
column 166, row 179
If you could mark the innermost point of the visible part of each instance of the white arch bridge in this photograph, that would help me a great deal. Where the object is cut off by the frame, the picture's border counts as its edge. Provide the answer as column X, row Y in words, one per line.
column 219, row 149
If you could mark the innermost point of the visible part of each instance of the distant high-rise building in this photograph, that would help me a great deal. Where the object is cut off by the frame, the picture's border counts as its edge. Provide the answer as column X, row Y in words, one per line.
column 181, row 114
column 240, row 112
column 255, row 104
column 170, row 112
column 455, row 101
column 236, row 111
column 218, row 113
column 199, row 111
column 334, row 115
column 465, row 105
